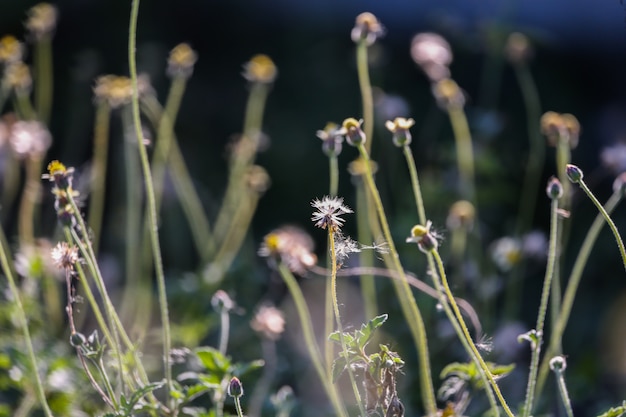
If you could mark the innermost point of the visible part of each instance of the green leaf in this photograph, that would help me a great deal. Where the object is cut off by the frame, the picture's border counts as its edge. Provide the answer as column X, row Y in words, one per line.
column 213, row 360
column 241, row 369
column 616, row 411
column 339, row 365
column 462, row 370
column 194, row 391
column 140, row 393
column 367, row 330
column 347, row 337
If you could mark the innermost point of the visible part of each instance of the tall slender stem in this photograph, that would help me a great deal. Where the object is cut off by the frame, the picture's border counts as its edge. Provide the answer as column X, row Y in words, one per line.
column 154, row 235
column 366, row 92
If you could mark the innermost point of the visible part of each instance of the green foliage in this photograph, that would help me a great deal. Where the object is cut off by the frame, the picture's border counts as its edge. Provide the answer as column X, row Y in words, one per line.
column 615, row 411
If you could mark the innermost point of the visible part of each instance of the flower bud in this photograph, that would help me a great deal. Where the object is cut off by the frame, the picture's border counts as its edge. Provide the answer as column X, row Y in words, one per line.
column 351, row 128
column 77, row 339
column 554, row 188
column 366, row 29
column 400, row 129
column 558, row 363
column 574, row 174
column 235, row 388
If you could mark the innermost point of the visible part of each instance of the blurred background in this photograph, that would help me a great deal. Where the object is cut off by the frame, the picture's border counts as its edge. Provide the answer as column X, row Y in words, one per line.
column 578, row 64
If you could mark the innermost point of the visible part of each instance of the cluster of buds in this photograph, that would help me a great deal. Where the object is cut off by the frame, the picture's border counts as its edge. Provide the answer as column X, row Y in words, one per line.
column 560, row 127
column 62, row 178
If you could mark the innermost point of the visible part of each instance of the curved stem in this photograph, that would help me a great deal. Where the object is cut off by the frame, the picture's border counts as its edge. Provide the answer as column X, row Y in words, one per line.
column 464, row 152
column 366, row 92
column 543, row 307
column 154, row 235
column 415, row 184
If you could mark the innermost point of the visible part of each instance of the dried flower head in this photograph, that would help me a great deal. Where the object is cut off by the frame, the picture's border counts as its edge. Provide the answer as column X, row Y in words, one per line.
column 367, row 29
column 400, row 130
column 269, row 321
column 29, row 139
column 118, row 90
column 461, row 215
column 427, row 240
column 292, row 246
column 329, row 212
column 17, row 76
column 42, row 20
column 448, row 94
column 518, row 48
column 260, row 69
column 433, row 54
column 351, row 129
column 332, row 139
column 344, row 246
column 65, row 256
column 181, row 61
column 11, row 50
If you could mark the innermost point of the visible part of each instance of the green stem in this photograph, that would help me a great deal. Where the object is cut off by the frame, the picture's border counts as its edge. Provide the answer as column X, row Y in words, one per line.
column 609, row 221
column 560, row 381
column 572, row 286
column 480, row 362
column 464, row 152
column 43, row 81
column 543, row 307
column 224, row 330
column 99, row 171
column 415, row 184
column 24, row 107
column 407, row 301
column 23, row 322
column 334, row 175
column 344, row 347
column 154, row 235
column 238, row 407
column 368, row 286
column 309, row 338
column 366, row 92
column 28, row 203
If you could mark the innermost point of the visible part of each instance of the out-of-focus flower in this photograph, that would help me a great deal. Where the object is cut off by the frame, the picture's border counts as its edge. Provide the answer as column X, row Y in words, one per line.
column 461, row 215
column 614, row 157
column 535, row 245
column 367, row 29
column 358, row 167
column 257, row 179
column 329, row 212
column 351, row 129
column 42, row 20
column 29, row 139
column 221, row 302
column 118, row 90
column 557, row 127
column 399, row 127
column 506, row 253
column 427, row 240
column 33, row 261
column 11, row 50
column 181, row 61
column 65, row 256
column 260, row 69
column 292, row 246
column 17, row 76
column 433, row 54
column 517, row 48
column 448, row 94
column 332, row 139
column 269, row 321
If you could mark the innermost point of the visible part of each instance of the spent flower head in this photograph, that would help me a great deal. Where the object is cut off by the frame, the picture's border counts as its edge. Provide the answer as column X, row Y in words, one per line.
column 181, row 61
column 329, row 212
column 366, row 29
column 433, row 55
column 260, row 69
column 42, row 20
column 399, row 127
column 118, row 90
column 65, row 256
column 560, row 127
column 344, row 246
column 269, row 321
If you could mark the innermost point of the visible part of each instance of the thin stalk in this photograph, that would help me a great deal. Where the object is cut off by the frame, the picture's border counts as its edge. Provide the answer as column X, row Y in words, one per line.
column 224, row 330
column 238, row 407
column 23, row 322
column 415, row 183
column 309, row 338
column 334, row 175
column 543, row 307
column 464, row 152
column 365, row 86
column 407, row 301
column 43, row 78
column 480, row 362
column 344, row 347
column 29, row 201
column 263, row 385
column 560, row 382
column 368, row 287
column 23, row 106
column 609, row 221
column 572, row 286
column 99, row 171
column 154, row 234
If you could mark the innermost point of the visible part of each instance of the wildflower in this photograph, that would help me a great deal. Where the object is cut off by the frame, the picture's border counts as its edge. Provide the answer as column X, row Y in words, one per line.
column 118, row 90
column 332, row 139
column 554, row 188
column 11, row 50
column 65, row 256
column 59, row 174
column 506, row 252
column 235, row 388
column 518, row 48
column 448, row 94
column 400, row 129
column 557, row 127
column 535, row 245
column 17, row 76
column 260, row 69
column 292, row 246
column 614, row 157
column 426, row 239
column 351, row 129
column 269, row 321
column 42, row 20
column 574, row 174
column 329, row 212
column 367, row 29
column 29, row 139
column 461, row 215
column 181, row 61
column 433, row 55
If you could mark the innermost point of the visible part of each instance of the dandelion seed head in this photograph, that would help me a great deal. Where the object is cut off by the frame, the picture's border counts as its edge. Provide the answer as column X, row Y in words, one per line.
column 329, row 212
column 344, row 246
